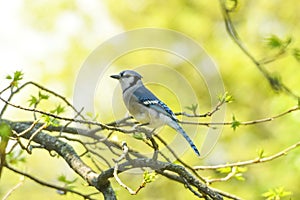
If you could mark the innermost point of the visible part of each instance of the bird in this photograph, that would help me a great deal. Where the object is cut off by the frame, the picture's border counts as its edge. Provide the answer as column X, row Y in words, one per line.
column 145, row 107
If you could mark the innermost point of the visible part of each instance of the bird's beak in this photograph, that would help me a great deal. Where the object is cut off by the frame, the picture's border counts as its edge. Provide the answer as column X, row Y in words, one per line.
column 116, row 76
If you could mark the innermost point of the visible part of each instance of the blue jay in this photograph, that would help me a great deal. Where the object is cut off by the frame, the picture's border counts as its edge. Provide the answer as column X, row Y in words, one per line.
column 145, row 107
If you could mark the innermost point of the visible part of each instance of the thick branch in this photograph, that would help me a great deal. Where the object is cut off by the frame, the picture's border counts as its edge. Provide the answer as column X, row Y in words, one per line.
column 69, row 155
column 161, row 167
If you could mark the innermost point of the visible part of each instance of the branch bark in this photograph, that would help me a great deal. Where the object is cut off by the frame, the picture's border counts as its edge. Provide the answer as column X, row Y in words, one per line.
column 101, row 182
column 163, row 168
column 67, row 152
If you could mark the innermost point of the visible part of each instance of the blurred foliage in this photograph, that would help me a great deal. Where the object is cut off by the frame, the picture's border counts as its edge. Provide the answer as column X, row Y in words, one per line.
column 274, row 42
column 259, row 23
column 66, row 182
column 236, row 172
column 16, row 157
column 276, row 194
column 5, row 133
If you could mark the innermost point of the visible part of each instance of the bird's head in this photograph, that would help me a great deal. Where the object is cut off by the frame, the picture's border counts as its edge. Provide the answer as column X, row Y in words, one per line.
column 128, row 78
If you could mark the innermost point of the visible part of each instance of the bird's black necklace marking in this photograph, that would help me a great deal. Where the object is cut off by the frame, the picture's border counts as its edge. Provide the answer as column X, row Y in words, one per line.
column 135, row 80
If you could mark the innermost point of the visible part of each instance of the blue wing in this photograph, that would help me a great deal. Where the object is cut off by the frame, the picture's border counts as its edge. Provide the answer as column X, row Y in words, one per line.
column 148, row 99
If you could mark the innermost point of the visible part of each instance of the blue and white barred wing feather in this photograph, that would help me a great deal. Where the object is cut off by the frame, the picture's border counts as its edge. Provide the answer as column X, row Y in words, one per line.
column 148, row 99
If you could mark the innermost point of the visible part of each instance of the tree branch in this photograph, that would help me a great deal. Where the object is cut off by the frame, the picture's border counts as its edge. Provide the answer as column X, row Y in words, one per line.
column 251, row 162
column 160, row 168
column 67, row 152
column 44, row 183
column 276, row 84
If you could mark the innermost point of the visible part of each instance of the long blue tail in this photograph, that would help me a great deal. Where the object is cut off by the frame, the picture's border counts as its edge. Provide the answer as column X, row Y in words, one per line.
column 178, row 128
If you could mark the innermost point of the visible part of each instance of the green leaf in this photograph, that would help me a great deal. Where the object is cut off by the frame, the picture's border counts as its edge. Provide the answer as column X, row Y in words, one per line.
column 5, row 131
column 149, row 176
column 296, row 54
column 276, row 193
column 226, row 97
column 62, row 178
column 242, row 169
column 269, row 194
column 231, row 5
column 275, row 82
column 238, row 172
column 36, row 100
column 58, row 110
column 239, row 177
column 18, row 75
column 15, row 157
column 33, row 100
column 9, row 77
column 138, row 136
column 43, row 96
column 50, row 120
column 67, row 184
column 260, row 153
column 274, row 42
column 224, row 170
column 235, row 123
column 92, row 116
column 193, row 108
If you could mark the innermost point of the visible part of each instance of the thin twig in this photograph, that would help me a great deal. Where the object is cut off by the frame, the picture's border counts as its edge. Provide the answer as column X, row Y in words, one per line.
column 34, row 134
column 225, row 194
column 251, row 162
column 44, row 183
column 28, row 129
column 5, row 89
column 275, row 57
column 260, row 65
column 103, row 126
column 180, row 160
column 245, row 123
column 162, row 168
column 224, row 179
column 125, row 152
column 209, row 113
column 14, row 188
column 51, row 92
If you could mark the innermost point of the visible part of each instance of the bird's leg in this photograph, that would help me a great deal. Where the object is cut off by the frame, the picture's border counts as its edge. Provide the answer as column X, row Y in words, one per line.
column 147, row 132
column 139, row 127
column 144, row 124
column 149, row 137
column 154, row 144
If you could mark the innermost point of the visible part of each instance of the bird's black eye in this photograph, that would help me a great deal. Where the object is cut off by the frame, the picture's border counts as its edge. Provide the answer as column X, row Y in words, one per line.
column 124, row 75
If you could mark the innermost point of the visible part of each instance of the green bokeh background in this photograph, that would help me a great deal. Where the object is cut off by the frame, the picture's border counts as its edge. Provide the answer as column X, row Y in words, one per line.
column 49, row 41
